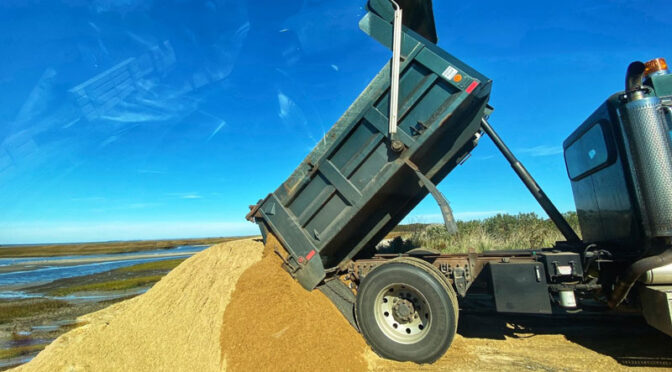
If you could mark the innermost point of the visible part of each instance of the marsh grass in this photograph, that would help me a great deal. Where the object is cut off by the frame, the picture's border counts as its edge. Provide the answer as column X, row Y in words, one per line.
column 501, row 232
column 154, row 265
column 138, row 275
column 20, row 351
column 111, row 285
column 50, row 250
column 26, row 308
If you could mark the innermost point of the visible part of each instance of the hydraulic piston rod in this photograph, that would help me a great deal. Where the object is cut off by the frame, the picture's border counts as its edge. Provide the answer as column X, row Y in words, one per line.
column 532, row 185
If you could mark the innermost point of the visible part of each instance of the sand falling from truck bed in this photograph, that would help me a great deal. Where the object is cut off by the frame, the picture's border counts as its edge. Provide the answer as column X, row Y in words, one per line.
column 272, row 323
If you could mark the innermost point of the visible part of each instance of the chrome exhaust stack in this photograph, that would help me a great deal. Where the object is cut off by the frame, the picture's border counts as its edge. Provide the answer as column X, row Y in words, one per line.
column 650, row 153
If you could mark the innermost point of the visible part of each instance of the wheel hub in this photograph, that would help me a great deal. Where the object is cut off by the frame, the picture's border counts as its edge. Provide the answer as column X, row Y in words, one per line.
column 403, row 310
column 402, row 313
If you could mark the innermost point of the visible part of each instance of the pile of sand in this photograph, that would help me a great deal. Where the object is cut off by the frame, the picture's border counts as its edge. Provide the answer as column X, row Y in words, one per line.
column 190, row 321
column 175, row 326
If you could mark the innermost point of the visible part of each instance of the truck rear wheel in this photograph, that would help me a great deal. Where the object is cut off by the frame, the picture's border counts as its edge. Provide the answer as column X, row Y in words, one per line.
column 407, row 311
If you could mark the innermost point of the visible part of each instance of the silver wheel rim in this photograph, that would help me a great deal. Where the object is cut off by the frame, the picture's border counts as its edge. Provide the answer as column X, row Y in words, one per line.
column 402, row 313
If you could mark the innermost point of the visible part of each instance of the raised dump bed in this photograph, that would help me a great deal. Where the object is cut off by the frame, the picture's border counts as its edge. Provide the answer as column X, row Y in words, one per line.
column 354, row 188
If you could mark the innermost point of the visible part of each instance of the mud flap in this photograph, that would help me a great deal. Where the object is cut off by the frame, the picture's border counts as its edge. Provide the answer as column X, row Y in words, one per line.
column 342, row 297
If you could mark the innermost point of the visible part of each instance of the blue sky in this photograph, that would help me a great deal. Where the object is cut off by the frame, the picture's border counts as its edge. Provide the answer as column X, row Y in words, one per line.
column 140, row 119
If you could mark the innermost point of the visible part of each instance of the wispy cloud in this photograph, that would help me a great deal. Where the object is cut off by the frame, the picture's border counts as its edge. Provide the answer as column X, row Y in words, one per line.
column 70, row 123
column 219, row 127
column 541, row 150
column 108, row 140
column 185, row 195
column 191, row 196
column 463, row 216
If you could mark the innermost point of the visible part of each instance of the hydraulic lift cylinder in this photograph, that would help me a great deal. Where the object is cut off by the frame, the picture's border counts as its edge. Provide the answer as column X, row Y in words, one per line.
column 532, row 185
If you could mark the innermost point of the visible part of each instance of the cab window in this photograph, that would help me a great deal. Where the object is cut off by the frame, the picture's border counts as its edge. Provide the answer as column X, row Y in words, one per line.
column 588, row 153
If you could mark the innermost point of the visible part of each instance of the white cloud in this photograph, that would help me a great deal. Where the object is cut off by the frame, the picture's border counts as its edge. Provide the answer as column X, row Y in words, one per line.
column 185, row 195
column 541, row 150
column 285, row 105
column 191, row 196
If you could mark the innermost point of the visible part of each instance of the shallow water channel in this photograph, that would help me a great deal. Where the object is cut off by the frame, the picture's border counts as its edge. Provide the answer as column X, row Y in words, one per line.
column 17, row 274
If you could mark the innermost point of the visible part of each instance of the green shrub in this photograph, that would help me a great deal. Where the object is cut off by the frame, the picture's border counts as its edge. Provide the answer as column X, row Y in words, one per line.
column 503, row 231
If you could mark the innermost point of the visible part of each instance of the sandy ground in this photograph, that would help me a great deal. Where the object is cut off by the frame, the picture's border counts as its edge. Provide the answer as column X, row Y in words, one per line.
column 177, row 325
column 499, row 343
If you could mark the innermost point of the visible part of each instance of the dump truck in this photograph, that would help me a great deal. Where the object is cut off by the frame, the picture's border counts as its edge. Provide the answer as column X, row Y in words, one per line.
column 419, row 118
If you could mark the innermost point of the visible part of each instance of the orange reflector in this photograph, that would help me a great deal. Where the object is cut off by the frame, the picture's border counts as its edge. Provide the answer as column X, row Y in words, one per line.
column 457, row 78
column 655, row 65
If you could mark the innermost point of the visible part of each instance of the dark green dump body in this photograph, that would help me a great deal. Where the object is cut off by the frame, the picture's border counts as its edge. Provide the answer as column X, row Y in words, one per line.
column 352, row 189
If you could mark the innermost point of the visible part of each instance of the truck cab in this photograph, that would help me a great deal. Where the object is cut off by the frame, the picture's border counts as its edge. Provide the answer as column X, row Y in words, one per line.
column 619, row 162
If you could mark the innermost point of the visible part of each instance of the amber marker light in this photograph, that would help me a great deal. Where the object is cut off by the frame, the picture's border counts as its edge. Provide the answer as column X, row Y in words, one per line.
column 655, row 65
column 457, row 78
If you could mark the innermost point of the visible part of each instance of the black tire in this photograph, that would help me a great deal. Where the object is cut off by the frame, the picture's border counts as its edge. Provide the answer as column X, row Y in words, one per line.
column 434, row 271
column 422, row 251
column 418, row 286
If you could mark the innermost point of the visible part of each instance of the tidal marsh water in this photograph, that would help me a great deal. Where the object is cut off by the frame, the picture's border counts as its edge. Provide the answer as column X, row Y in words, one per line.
column 19, row 274
column 41, row 297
